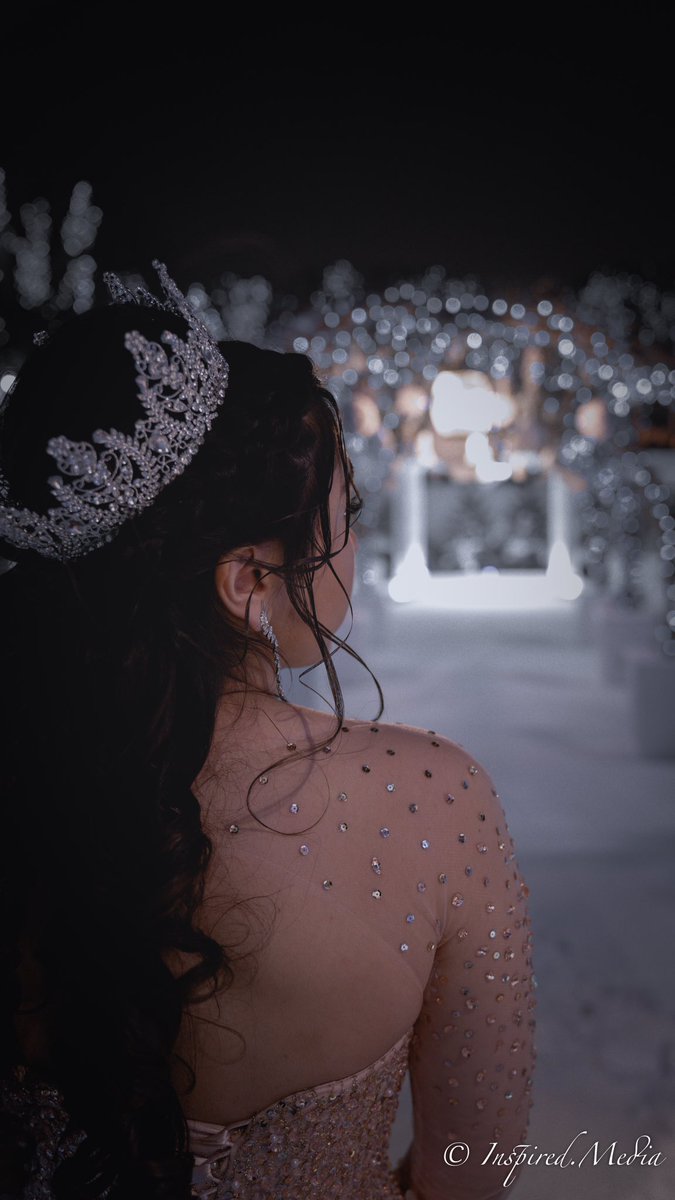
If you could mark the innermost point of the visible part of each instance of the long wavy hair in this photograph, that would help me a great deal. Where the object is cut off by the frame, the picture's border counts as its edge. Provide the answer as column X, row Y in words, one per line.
column 112, row 669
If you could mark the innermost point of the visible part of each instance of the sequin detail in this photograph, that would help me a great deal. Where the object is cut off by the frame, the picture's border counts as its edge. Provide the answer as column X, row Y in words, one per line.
column 473, row 1042
column 39, row 1111
column 312, row 1143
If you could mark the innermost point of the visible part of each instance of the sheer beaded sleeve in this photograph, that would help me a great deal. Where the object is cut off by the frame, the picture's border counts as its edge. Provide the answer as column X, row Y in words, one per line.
column 473, row 1052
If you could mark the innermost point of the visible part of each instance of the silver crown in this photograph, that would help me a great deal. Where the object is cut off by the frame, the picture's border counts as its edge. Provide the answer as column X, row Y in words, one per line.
column 180, row 388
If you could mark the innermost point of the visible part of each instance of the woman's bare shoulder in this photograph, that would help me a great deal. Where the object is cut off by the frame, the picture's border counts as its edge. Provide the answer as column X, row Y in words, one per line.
column 413, row 739
column 416, row 750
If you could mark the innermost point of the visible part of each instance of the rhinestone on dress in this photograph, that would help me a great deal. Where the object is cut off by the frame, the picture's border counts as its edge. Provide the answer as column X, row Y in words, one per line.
column 234, row 828
column 428, row 774
column 262, row 779
column 291, row 746
column 304, row 849
column 294, row 808
column 343, row 826
column 473, row 770
column 292, row 1149
column 475, row 1019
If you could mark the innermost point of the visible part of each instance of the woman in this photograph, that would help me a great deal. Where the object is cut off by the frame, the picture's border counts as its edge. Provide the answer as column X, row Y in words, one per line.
column 231, row 922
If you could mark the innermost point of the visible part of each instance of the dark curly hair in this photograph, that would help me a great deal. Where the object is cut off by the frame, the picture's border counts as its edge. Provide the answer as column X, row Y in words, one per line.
column 112, row 669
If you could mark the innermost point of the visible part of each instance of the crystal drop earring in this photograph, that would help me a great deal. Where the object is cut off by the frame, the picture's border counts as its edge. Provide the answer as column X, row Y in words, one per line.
column 266, row 628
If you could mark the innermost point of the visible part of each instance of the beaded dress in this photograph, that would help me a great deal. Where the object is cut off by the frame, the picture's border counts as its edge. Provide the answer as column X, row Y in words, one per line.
column 400, row 942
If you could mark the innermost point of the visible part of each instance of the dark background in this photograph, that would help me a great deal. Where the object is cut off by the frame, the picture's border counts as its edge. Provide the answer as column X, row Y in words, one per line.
column 518, row 148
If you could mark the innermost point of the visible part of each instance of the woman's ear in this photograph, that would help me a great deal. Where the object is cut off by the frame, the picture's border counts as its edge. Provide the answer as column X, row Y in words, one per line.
column 239, row 574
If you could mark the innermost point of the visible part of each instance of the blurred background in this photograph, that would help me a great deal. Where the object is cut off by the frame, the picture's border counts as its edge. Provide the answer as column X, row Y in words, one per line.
column 472, row 238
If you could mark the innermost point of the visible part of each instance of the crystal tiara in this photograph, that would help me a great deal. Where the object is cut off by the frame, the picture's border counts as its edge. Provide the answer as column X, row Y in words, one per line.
column 181, row 386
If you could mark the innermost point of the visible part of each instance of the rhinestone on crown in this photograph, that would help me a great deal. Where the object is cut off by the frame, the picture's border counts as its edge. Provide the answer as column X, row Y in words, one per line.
column 181, row 385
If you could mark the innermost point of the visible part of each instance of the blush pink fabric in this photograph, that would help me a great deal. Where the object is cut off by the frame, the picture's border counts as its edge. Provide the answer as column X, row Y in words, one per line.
column 406, row 917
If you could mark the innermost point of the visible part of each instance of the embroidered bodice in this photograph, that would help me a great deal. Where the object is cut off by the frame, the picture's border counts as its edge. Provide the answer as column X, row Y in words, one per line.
column 328, row 1141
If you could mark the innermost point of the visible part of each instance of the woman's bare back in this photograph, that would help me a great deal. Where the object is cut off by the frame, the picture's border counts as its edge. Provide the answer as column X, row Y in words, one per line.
column 397, row 905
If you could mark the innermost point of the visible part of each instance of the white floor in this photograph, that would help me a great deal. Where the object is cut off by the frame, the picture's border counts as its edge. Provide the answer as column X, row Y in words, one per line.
column 594, row 827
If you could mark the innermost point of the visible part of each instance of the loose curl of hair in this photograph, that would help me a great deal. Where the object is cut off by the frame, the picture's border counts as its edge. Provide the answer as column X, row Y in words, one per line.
column 113, row 665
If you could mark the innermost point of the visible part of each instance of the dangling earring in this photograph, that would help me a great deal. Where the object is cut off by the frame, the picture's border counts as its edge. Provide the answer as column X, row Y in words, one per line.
column 266, row 627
